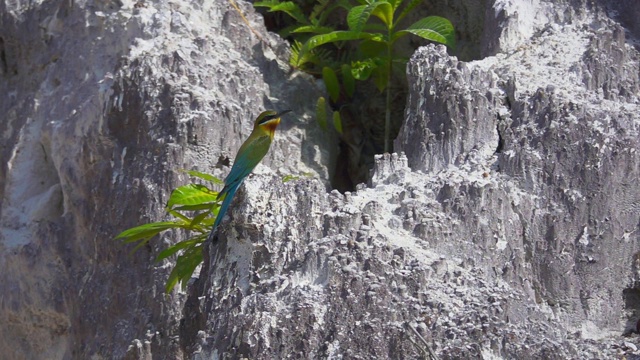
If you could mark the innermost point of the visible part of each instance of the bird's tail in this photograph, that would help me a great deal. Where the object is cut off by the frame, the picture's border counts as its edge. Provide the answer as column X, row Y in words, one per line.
column 228, row 196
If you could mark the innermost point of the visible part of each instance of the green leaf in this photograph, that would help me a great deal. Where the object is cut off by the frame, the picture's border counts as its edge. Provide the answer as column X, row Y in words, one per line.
column 347, row 80
column 196, row 207
column 185, row 266
column 286, row 31
column 297, row 58
column 138, row 246
column 191, row 194
column 311, row 29
column 396, row 3
column 331, row 37
column 288, row 178
column 208, row 222
column 300, row 56
column 384, row 12
column 361, row 70
column 204, row 176
column 179, row 246
column 331, row 82
column 185, row 220
column 372, row 49
column 337, row 122
column 321, row 57
column 146, row 231
column 434, row 28
column 268, row 3
column 359, row 15
column 321, row 113
column 381, row 75
column 198, row 218
column 325, row 8
column 412, row 4
column 321, row 9
column 287, row 7
column 375, row 27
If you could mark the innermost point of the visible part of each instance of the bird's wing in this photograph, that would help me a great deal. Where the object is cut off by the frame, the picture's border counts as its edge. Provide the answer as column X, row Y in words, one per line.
column 249, row 155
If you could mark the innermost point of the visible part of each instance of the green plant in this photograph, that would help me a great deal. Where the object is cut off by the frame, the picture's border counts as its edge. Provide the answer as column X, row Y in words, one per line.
column 193, row 208
column 374, row 23
column 200, row 207
column 377, row 42
column 314, row 61
column 321, row 116
column 304, row 27
column 291, row 177
column 350, row 53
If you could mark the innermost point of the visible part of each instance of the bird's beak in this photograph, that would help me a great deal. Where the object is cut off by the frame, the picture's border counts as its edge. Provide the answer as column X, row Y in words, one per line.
column 282, row 113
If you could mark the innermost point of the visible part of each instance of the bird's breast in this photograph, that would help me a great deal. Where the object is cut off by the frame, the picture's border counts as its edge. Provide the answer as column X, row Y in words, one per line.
column 270, row 127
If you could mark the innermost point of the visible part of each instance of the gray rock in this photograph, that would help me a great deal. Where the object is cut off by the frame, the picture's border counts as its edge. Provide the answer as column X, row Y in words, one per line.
column 631, row 346
column 514, row 194
column 103, row 103
column 506, row 228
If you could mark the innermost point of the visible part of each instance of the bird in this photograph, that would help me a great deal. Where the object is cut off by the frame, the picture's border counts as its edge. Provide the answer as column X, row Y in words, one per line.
column 249, row 155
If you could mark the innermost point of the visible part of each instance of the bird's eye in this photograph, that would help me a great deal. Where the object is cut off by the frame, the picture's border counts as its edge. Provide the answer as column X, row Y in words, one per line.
column 267, row 118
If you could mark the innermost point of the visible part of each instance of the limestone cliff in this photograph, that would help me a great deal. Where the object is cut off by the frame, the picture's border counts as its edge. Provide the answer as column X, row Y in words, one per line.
column 505, row 227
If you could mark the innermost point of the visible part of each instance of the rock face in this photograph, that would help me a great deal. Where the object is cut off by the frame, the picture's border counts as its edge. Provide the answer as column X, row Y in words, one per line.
column 103, row 103
column 508, row 228
column 559, row 141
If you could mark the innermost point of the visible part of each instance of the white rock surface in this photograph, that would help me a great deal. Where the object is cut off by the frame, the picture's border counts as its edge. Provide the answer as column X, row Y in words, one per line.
column 103, row 103
column 507, row 229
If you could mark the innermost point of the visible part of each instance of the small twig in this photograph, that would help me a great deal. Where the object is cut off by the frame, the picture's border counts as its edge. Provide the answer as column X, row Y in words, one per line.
column 418, row 347
column 431, row 354
column 233, row 3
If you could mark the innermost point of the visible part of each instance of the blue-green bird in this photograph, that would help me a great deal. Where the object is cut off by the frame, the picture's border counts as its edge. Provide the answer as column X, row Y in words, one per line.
column 249, row 155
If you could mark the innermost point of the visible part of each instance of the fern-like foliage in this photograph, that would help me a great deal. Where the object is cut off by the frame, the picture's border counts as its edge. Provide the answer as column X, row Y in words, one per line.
column 309, row 61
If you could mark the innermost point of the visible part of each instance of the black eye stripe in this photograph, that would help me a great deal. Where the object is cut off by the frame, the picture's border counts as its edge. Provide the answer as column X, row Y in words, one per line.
column 267, row 118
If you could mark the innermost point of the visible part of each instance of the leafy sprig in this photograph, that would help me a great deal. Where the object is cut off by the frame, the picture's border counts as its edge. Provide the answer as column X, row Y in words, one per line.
column 193, row 208
column 377, row 43
column 200, row 206
column 374, row 25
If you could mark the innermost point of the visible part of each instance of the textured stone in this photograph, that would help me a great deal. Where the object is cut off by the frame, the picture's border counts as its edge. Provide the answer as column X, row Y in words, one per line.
column 507, row 228
column 103, row 103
